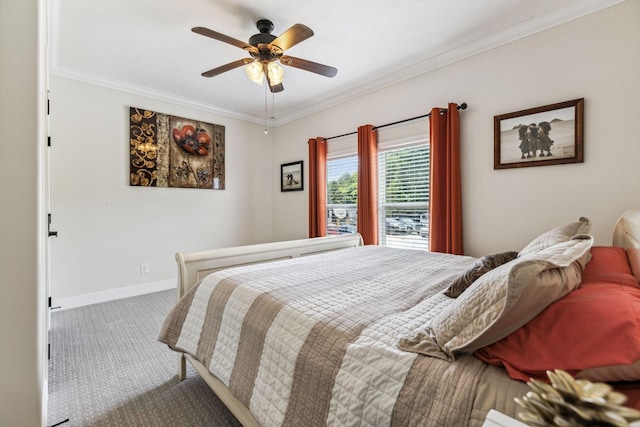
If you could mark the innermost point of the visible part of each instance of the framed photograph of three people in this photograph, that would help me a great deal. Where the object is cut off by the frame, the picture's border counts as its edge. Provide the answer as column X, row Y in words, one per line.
column 291, row 176
column 540, row 136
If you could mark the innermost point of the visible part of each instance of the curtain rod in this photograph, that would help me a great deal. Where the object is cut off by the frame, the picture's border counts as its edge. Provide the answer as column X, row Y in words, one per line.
column 462, row 106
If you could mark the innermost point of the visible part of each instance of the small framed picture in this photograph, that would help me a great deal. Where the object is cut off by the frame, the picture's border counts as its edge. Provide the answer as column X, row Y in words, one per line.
column 291, row 177
column 547, row 135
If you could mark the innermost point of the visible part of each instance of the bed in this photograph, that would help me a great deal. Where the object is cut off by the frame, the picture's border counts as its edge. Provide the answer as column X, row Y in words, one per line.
column 327, row 331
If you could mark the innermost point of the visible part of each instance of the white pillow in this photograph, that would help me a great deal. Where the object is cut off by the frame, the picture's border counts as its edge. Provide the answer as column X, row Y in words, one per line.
column 556, row 235
column 503, row 300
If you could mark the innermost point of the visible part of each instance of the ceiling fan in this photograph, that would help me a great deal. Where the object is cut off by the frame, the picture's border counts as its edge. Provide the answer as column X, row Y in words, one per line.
column 266, row 51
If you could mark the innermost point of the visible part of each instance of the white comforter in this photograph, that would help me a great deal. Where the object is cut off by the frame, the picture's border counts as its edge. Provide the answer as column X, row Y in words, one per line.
column 313, row 341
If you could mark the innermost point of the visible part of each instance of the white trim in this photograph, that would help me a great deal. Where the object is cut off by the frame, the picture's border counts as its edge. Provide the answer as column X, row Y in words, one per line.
column 342, row 147
column 405, row 142
column 126, row 87
column 424, row 65
column 532, row 26
column 112, row 294
column 341, row 155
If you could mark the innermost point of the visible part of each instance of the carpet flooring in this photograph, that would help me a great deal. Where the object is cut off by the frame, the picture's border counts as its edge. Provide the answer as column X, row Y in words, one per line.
column 108, row 369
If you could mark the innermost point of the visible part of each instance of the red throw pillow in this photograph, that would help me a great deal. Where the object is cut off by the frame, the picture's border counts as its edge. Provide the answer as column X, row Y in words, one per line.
column 608, row 264
column 594, row 326
column 634, row 261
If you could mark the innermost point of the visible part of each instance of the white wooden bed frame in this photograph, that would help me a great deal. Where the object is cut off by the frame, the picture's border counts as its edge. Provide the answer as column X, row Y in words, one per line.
column 193, row 266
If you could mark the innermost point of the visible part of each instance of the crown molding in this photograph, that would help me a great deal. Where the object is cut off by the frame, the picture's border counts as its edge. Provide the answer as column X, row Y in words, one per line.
column 526, row 28
column 425, row 65
column 151, row 93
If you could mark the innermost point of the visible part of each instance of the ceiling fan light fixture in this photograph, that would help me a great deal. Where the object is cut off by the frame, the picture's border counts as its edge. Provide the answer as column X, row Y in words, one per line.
column 276, row 73
column 267, row 54
column 254, row 71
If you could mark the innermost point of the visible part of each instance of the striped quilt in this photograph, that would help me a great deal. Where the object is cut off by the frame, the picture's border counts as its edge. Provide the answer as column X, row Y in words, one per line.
column 312, row 341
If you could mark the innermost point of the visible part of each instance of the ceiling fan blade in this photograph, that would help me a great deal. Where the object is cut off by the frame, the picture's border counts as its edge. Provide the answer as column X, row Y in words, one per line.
column 230, row 66
column 292, row 36
column 273, row 88
column 223, row 38
column 277, row 88
column 303, row 64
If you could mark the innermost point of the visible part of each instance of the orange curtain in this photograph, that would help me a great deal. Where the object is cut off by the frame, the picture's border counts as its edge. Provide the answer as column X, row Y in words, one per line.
column 317, row 187
column 445, row 198
column 368, row 184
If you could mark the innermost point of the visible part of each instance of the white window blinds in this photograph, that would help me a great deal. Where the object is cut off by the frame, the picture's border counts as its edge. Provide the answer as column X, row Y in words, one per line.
column 403, row 197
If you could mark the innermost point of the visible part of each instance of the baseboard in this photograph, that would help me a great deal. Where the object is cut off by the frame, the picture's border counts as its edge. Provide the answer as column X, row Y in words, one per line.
column 112, row 294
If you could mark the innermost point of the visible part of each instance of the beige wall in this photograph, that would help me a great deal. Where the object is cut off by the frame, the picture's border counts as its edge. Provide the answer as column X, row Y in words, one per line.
column 107, row 228
column 596, row 57
column 22, row 306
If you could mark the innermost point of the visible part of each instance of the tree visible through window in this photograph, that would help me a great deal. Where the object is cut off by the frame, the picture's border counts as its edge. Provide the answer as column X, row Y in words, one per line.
column 403, row 196
column 342, row 195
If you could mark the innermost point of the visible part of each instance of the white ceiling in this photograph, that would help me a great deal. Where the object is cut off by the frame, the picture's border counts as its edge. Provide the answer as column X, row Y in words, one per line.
column 147, row 47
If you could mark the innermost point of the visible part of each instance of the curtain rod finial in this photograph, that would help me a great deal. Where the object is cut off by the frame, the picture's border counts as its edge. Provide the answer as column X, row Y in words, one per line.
column 462, row 106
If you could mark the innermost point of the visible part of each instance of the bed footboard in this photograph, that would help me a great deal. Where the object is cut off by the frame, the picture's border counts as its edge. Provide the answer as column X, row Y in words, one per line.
column 193, row 266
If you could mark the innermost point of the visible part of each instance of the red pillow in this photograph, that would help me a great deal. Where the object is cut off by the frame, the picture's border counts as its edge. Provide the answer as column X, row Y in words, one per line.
column 634, row 261
column 594, row 326
column 608, row 264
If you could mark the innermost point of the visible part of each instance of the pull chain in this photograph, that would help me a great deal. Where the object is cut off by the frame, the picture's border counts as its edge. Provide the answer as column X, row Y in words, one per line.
column 273, row 107
column 265, row 110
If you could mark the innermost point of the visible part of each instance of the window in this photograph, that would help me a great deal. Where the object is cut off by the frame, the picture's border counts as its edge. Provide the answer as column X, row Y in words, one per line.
column 403, row 186
column 403, row 197
column 342, row 195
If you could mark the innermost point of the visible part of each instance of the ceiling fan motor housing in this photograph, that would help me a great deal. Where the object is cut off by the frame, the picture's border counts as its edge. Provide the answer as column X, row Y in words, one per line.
column 265, row 27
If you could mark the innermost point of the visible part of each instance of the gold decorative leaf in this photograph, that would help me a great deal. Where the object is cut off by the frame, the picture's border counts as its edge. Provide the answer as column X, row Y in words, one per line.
column 568, row 403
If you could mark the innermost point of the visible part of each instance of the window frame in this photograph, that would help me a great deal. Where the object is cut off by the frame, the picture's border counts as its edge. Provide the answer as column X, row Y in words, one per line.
column 408, row 135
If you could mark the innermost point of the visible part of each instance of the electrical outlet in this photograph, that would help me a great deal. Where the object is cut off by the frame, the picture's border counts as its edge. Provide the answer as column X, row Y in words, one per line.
column 144, row 268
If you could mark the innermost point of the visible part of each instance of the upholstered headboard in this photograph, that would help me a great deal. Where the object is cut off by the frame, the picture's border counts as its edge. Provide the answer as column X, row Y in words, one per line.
column 626, row 232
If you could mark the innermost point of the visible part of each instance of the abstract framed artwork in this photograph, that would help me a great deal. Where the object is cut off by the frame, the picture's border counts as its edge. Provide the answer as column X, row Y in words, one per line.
column 547, row 135
column 291, row 176
column 172, row 151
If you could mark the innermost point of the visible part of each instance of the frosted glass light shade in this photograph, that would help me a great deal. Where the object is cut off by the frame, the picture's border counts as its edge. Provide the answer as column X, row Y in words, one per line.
column 254, row 71
column 276, row 73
